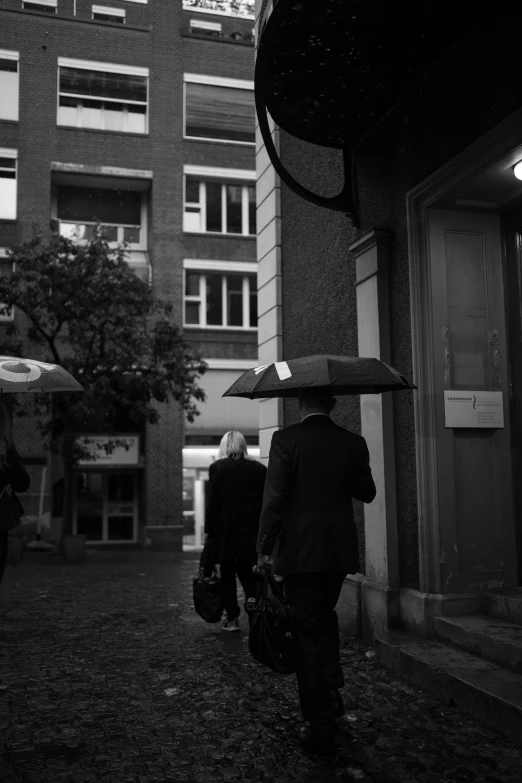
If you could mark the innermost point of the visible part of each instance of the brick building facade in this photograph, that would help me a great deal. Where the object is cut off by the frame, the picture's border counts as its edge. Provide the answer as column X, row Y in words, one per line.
column 127, row 108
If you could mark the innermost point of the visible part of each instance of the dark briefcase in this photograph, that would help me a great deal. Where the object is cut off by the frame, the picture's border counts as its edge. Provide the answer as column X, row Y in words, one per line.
column 206, row 589
column 271, row 638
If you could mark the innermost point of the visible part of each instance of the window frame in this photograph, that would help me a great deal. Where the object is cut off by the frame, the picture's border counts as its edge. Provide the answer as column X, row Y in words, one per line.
column 142, row 245
column 202, row 268
column 11, row 153
column 47, row 3
column 106, row 10
column 214, row 81
column 95, row 65
column 214, row 11
column 244, row 178
column 8, row 54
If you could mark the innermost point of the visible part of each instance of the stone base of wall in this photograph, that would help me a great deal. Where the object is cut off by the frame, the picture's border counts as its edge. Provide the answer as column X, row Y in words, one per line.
column 349, row 606
column 164, row 538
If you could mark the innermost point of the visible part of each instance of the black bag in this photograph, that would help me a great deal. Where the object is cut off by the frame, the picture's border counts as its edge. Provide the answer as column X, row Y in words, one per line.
column 206, row 589
column 271, row 639
column 11, row 510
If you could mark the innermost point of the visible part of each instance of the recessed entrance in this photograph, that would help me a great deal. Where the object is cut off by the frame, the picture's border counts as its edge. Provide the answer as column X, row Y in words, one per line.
column 465, row 236
column 106, row 506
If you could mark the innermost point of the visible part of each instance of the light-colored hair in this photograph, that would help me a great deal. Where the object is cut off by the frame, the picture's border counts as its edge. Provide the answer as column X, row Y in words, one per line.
column 233, row 444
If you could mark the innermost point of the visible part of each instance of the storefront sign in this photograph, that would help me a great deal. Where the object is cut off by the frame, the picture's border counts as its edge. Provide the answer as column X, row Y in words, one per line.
column 473, row 409
column 120, row 456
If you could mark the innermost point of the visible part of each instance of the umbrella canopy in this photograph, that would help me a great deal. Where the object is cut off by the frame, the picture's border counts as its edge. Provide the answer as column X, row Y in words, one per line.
column 29, row 375
column 341, row 374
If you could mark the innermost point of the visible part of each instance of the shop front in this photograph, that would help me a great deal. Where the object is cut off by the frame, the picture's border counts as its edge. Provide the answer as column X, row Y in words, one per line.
column 107, row 493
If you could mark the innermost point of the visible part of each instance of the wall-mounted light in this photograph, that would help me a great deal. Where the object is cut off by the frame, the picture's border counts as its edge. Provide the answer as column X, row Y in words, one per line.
column 517, row 171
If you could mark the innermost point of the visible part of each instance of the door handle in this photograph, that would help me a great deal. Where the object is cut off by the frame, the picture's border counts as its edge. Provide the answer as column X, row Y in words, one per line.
column 447, row 366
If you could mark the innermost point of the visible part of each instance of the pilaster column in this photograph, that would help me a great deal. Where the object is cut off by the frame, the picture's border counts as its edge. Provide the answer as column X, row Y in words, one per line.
column 269, row 278
column 380, row 590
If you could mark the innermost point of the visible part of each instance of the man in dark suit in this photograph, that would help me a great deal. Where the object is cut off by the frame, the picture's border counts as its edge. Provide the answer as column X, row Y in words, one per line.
column 315, row 468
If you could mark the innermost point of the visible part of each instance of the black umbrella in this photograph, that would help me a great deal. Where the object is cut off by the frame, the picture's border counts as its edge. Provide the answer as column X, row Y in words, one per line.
column 340, row 374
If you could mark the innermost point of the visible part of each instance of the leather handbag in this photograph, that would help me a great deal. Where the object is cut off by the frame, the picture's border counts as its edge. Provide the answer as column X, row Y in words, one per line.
column 206, row 588
column 271, row 637
column 11, row 510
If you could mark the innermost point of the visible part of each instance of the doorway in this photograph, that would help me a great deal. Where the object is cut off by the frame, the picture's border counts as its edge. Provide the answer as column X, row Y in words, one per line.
column 105, row 506
column 469, row 530
column 469, row 344
column 512, row 236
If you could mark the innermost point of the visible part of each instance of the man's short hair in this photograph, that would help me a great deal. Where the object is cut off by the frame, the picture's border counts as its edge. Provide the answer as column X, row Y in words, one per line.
column 318, row 395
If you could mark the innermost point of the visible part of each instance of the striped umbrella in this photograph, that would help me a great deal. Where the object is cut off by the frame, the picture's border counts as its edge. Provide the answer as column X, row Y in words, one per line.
column 341, row 374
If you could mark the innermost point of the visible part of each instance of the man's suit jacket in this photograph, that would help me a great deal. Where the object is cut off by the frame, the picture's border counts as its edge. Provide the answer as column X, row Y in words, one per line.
column 315, row 468
column 235, row 495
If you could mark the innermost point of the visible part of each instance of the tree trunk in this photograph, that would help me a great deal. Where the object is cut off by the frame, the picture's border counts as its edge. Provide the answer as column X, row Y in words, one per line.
column 68, row 487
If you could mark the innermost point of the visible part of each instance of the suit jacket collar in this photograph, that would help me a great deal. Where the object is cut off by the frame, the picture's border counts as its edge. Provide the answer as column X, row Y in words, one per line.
column 313, row 419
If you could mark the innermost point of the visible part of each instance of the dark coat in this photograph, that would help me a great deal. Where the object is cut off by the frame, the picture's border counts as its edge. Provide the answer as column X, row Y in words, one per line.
column 315, row 468
column 234, row 506
column 17, row 477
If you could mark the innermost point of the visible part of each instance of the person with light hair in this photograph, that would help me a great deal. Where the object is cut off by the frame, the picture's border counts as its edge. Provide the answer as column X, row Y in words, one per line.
column 235, row 495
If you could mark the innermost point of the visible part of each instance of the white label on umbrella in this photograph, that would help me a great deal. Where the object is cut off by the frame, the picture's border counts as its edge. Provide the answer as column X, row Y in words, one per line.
column 283, row 370
column 257, row 370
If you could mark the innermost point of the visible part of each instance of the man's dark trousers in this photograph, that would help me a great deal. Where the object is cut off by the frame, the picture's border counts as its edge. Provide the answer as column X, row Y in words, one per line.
column 313, row 598
column 242, row 566
column 4, row 547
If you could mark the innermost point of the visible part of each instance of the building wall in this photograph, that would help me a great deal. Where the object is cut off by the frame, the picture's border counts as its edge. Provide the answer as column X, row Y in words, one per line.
column 469, row 93
column 319, row 305
column 210, row 54
column 156, row 35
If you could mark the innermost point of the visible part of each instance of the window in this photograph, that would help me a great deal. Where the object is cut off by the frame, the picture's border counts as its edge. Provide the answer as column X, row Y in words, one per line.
column 8, row 184
column 207, row 27
column 102, row 13
column 6, row 268
column 48, row 6
column 221, row 301
column 219, row 207
column 219, row 109
column 244, row 8
column 120, row 213
column 102, row 96
column 9, row 85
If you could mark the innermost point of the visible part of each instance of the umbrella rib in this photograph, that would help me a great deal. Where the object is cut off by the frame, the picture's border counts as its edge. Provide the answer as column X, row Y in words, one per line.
column 261, row 376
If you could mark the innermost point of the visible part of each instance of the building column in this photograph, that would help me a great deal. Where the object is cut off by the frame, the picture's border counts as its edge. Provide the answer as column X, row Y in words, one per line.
column 380, row 589
column 269, row 282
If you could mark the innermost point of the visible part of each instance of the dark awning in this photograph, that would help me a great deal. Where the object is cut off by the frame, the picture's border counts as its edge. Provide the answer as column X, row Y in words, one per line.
column 329, row 70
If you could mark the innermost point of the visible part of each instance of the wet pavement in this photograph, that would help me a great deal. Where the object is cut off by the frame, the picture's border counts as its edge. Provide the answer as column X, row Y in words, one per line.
column 106, row 673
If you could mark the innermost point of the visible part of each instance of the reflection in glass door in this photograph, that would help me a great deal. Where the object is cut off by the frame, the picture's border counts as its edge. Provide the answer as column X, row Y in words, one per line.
column 121, row 500
column 106, row 506
column 89, row 506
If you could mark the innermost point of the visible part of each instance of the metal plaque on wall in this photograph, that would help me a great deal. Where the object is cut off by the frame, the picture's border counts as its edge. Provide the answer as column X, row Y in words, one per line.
column 474, row 409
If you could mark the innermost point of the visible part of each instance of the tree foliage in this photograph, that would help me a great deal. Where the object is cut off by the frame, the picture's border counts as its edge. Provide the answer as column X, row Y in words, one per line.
column 86, row 310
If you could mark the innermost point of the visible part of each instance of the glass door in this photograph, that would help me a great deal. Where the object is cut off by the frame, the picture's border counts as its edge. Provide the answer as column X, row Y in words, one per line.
column 89, row 502
column 106, row 506
column 121, row 506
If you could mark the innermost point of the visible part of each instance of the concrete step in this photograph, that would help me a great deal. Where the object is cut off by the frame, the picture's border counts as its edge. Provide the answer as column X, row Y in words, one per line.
column 495, row 640
column 486, row 692
column 506, row 604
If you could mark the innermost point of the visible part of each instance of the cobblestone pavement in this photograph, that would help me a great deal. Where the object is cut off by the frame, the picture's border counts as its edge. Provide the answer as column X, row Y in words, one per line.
column 106, row 673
